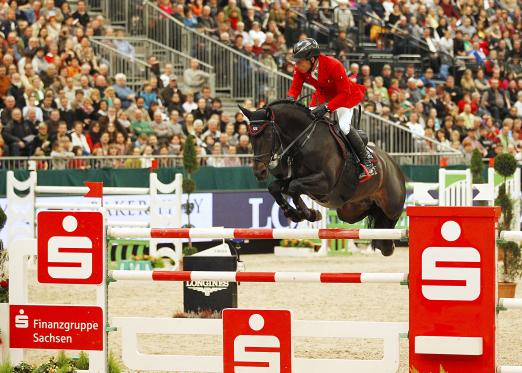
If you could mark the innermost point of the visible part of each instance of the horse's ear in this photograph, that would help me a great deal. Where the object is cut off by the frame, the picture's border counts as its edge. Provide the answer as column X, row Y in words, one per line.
column 247, row 113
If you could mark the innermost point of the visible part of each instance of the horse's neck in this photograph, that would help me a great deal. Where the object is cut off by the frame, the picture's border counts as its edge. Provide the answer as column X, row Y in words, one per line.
column 291, row 122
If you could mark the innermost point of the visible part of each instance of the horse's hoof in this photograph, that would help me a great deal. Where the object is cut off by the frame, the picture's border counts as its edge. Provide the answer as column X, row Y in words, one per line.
column 293, row 215
column 316, row 215
column 386, row 247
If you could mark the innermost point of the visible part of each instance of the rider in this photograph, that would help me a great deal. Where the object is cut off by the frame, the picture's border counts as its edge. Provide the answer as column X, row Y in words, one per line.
column 333, row 92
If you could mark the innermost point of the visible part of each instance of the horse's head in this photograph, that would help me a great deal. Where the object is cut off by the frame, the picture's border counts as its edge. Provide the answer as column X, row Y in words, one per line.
column 261, row 131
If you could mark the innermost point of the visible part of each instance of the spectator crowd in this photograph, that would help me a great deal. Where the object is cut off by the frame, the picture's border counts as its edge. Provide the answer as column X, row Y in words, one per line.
column 59, row 99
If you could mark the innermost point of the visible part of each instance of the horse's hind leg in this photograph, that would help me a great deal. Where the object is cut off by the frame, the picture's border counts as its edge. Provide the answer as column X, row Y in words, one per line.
column 387, row 208
column 305, row 185
column 379, row 219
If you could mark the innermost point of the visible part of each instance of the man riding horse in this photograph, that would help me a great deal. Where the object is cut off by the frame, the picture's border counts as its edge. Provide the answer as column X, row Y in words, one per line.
column 333, row 92
column 303, row 153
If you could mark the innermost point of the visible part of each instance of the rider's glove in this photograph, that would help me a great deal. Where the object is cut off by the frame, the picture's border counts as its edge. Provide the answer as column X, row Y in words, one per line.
column 320, row 111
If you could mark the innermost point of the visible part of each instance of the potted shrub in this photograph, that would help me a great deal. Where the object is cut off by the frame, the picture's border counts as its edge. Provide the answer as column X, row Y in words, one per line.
column 506, row 165
column 476, row 167
column 296, row 247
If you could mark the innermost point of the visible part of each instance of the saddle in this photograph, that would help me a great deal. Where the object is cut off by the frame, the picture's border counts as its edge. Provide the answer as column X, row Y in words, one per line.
column 335, row 130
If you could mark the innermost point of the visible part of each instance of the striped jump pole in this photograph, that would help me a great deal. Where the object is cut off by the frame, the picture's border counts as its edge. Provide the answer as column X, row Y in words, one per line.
column 259, row 234
column 270, row 277
column 511, row 236
column 510, row 303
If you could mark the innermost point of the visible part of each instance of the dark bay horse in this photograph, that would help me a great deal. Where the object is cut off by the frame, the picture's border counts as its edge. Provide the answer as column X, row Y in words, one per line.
column 305, row 158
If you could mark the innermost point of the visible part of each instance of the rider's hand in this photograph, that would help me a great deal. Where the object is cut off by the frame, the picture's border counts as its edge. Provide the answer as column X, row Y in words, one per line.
column 320, row 111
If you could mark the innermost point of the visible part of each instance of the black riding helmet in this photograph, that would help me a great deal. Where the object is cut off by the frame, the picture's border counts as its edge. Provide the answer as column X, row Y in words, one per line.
column 306, row 49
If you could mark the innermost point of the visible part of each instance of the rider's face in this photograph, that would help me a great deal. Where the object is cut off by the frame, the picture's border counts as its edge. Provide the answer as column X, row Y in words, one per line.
column 303, row 66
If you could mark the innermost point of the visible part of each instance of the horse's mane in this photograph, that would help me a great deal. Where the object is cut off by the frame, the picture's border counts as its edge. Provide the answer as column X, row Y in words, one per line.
column 297, row 104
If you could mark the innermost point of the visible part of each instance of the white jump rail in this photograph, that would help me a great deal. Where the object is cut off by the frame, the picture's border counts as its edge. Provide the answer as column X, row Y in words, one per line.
column 259, row 234
column 511, row 235
column 509, row 369
column 510, row 303
column 50, row 189
column 319, row 277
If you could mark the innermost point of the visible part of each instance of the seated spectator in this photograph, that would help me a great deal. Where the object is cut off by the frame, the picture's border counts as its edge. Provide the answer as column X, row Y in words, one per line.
column 20, row 135
column 216, row 159
column 232, row 160
column 506, row 136
column 175, row 146
column 381, row 91
column 414, row 94
column 60, row 156
column 134, row 162
column 161, row 128
column 93, row 135
column 467, row 116
column 139, row 104
column 146, row 160
column 495, row 101
column 79, row 140
column 244, row 146
column 86, row 113
column 103, row 145
column 257, row 33
column 42, row 140
column 78, row 163
column 149, row 96
column 202, row 111
column 189, row 105
column 123, row 92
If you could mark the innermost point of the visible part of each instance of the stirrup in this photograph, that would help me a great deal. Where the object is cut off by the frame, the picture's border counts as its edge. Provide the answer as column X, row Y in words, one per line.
column 366, row 174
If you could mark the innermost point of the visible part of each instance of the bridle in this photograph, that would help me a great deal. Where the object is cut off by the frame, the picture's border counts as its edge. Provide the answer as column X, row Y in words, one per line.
column 256, row 127
column 275, row 157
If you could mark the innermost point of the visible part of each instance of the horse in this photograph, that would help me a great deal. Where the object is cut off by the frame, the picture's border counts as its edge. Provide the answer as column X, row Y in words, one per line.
column 304, row 157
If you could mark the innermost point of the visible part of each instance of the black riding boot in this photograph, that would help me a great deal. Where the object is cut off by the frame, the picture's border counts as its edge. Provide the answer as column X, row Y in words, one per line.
column 363, row 153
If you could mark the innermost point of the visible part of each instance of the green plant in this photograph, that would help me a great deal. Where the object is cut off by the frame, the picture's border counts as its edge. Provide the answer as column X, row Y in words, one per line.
column 157, row 262
column 506, row 165
column 23, row 367
column 296, row 243
column 114, row 365
column 190, row 165
column 189, row 250
column 512, row 261
column 82, row 363
column 3, row 219
column 476, row 167
column 6, row 367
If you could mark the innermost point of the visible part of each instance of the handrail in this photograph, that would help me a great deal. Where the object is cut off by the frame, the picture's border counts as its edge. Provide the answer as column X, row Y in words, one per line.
column 208, row 38
column 232, row 66
column 116, row 51
column 97, row 162
column 445, row 147
column 152, row 41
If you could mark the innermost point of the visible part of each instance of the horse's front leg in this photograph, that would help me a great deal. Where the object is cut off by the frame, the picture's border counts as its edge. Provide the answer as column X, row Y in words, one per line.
column 305, row 185
column 276, row 189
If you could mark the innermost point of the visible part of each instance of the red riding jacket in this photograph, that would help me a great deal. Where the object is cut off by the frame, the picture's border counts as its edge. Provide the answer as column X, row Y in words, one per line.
column 332, row 85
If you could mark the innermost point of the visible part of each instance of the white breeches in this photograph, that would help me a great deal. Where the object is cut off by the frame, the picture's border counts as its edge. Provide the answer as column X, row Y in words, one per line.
column 345, row 118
